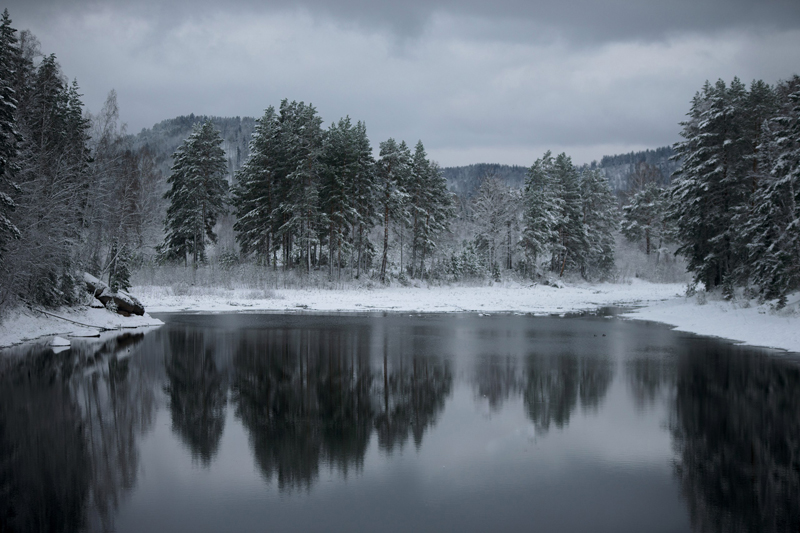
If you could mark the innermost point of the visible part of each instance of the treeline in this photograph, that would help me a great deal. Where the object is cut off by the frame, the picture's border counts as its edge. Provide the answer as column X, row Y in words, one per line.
column 73, row 193
column 311, row 199
column 308, row 197
column 736, row 198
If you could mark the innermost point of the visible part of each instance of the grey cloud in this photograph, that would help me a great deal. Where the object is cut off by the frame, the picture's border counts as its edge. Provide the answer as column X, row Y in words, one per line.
column 575, row 21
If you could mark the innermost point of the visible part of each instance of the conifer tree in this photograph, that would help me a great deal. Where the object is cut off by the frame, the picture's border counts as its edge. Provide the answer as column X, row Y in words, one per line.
column 392, row 171
column 301, row 144
column 255, row 193
column 569, row 250
column 712, row 184
column 644, row 217
column 600, row 222
column 773, row 230
column 9, row 137
column 541, row 208
column 196, row 196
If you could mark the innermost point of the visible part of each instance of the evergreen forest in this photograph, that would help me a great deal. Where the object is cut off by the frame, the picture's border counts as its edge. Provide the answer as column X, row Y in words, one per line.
column 287, row 195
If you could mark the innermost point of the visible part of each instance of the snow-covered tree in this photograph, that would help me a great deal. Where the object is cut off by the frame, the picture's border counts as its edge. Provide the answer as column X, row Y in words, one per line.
column 570, row 248
column 600, row 222
column 494, row 210
column 392, row 170
column 9, row 138
column 541, row 208
column 644, row 217
column 196, row 196
column 712, row 184
column 773, row 229
column 255, row 192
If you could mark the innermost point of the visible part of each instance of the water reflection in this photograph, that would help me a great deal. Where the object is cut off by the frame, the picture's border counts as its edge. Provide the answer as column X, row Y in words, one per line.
column 554, row 384
column 496, row 378
column 68, row 429
column 737, row 434
column 197, row 392
column 359, row 402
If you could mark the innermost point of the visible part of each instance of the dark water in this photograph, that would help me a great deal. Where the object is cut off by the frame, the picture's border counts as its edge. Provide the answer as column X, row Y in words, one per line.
column 400, row 423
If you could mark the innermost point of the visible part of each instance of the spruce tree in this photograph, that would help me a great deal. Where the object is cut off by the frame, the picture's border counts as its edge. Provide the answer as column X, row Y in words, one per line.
column 255, row 192
column 541, row 208
column 600, row 222
column 9, row 137
column 644, row 217
column 393, row 167
column 196, row 196
column 569, row 250
column 773, row 230
column 712, row 185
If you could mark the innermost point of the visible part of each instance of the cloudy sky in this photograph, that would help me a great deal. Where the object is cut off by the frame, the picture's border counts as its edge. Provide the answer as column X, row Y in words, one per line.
column 476, row 81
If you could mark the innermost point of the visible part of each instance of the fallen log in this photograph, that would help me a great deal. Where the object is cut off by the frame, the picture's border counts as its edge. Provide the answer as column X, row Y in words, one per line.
column 122, row 302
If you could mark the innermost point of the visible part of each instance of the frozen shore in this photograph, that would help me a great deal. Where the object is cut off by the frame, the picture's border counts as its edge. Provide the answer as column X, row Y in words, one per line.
column 756, row 325
column 26, row 325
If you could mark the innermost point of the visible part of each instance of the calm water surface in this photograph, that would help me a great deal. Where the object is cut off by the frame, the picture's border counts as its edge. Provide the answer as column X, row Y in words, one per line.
column 400, row 423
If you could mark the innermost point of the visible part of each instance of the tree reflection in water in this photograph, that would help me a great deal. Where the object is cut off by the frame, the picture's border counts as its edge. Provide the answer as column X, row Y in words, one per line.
column 413, row 393
column 304, row 397
column 197, row 392
column 496, row 378
column 68, row 429
column 311, row 396
column 554, row 384
column 736, row 430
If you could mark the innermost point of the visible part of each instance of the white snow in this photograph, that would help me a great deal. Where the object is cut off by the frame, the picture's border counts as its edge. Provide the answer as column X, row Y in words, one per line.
column 536, row 299
column 26, row 325
column 59, row 341
column 756, row 325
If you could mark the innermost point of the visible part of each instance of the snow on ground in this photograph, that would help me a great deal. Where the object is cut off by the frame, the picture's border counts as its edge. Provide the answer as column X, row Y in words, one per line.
column 27, row 325
column 757, row 325
column 537, row 299
column 660, row 302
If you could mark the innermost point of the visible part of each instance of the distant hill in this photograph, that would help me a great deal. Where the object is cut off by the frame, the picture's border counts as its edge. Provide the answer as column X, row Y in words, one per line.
column 165, row 137
column 618, row 169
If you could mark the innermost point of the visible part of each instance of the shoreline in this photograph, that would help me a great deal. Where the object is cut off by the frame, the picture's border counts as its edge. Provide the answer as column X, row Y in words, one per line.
column 663, row 303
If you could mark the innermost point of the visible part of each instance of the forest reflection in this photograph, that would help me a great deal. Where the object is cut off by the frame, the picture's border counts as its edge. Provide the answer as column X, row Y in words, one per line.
column 312, row 397
column 197, row 392
column 69, row 423
column 736, row 430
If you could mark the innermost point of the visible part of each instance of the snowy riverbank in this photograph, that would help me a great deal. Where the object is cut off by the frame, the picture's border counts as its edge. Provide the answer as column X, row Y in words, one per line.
column 26, row 325
column 536, row 299
column 755, row 325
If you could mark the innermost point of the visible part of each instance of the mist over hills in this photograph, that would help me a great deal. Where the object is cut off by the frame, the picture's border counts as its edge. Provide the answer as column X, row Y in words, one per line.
column 164, row 138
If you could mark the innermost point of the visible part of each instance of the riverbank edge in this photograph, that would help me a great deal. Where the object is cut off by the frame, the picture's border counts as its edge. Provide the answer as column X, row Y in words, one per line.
column 737, row 321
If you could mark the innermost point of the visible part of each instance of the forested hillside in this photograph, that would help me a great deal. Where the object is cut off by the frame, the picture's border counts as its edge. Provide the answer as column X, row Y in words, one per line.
column 164, row 138
column 620, row 171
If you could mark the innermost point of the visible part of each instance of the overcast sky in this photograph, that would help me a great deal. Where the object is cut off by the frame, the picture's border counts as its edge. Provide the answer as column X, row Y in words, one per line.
column 476, row 81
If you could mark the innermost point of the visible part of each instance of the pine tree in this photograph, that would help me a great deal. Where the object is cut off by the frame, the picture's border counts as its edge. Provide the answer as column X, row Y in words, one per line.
column 9, row 137
column 644, row 217
column 570, row 248
column 364, row 189
column 255, row 193
column 600, row 222
column 301, row 143
column 197, row 194
column 541, row 208
column 393, row 167
column 340, row 167
column 712, row 184
column 773, row 231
